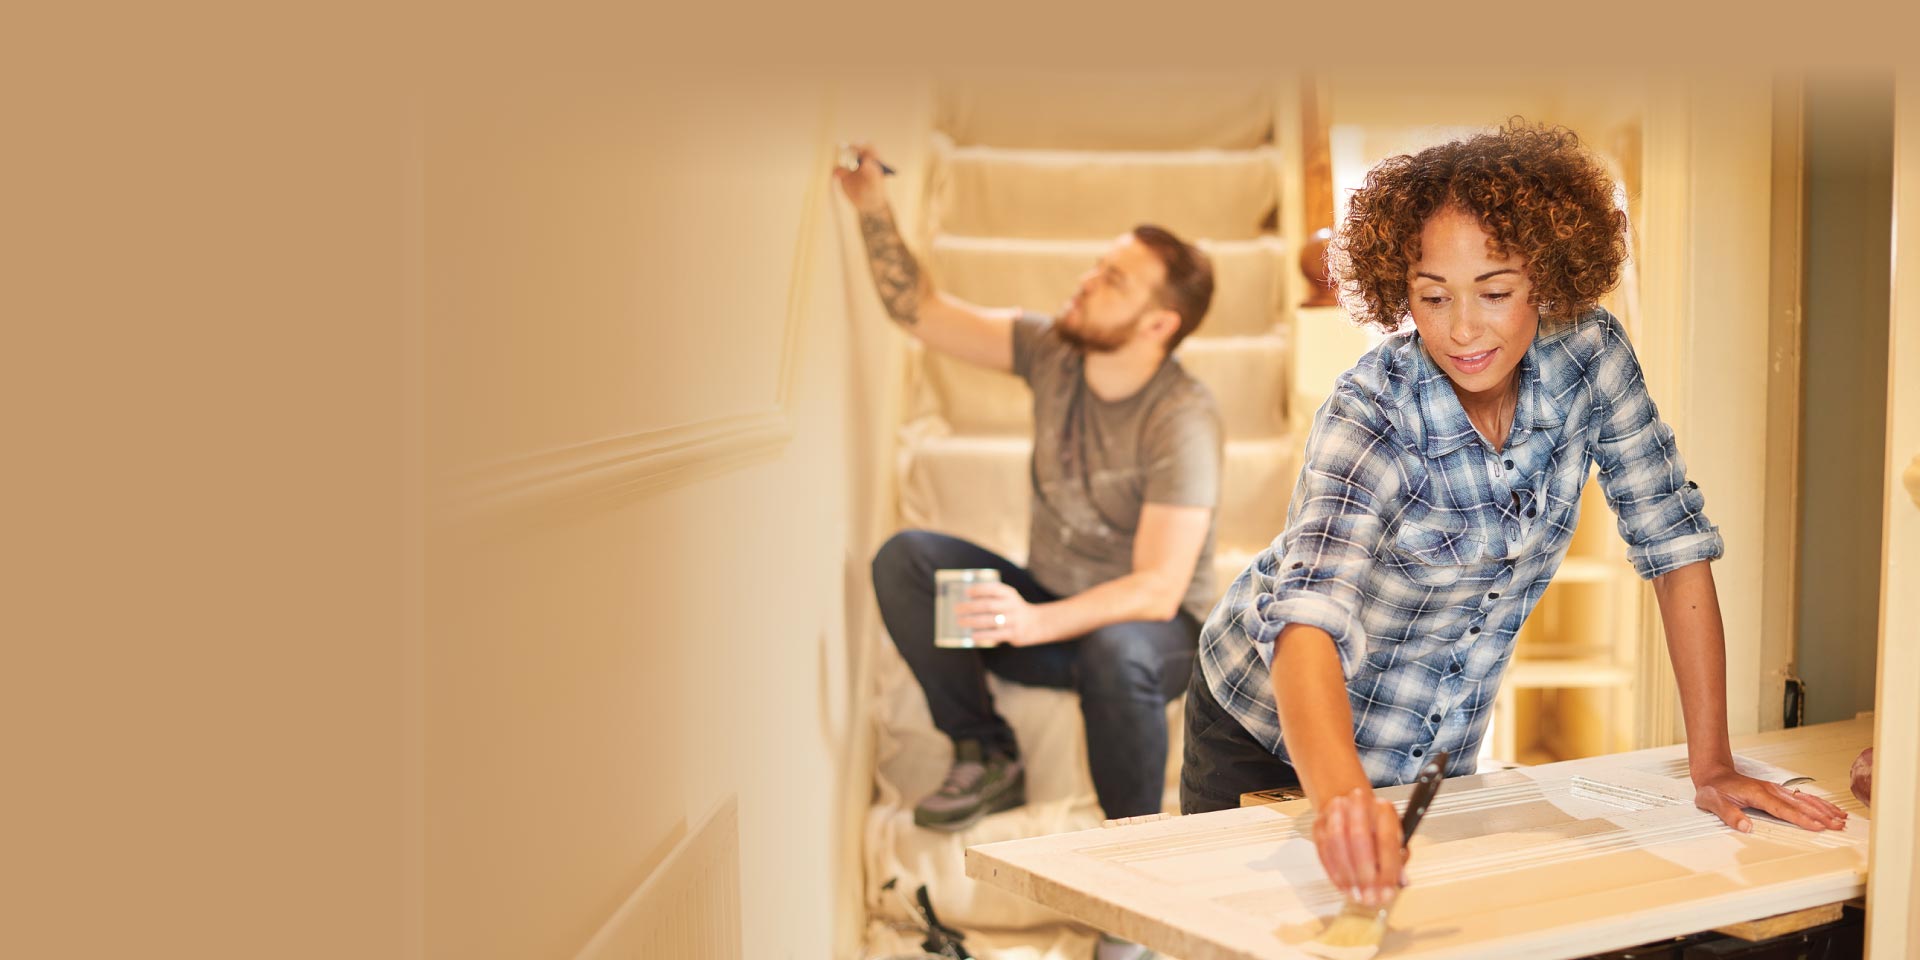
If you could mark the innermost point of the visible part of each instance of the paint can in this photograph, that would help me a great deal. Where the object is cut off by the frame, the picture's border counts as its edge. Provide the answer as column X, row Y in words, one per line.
column 950, row 588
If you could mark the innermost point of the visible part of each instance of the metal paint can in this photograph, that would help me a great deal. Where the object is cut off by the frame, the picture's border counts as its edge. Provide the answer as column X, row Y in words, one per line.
column 950, row 588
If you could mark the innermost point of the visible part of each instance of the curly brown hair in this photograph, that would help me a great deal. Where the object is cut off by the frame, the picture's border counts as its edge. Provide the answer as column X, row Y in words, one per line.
column 1536, row 191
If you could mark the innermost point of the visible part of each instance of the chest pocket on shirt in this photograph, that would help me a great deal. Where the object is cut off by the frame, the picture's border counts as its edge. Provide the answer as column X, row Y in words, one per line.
column 1431, row 555
column 1566, row 479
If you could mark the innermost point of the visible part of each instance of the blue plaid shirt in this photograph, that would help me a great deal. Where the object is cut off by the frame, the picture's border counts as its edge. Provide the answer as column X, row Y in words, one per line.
column 1421, row 550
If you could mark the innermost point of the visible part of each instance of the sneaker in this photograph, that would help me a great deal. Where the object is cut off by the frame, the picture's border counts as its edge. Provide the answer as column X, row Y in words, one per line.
column 979, row 783
column 1118, row 949
column 1114, row 948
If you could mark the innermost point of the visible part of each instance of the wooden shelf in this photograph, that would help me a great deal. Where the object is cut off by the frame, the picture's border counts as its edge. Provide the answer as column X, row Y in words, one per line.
column 1542, row 650
column 1535, row 674
column 1586, row 570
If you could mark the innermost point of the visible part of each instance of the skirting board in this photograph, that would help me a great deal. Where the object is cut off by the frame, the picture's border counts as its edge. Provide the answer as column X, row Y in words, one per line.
column 688, row 908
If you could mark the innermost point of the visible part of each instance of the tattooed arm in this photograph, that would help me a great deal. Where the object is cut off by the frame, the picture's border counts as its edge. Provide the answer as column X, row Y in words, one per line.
column 895, row 272
column 944, row 322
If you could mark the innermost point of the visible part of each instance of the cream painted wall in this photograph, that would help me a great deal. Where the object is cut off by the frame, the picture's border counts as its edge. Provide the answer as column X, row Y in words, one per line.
column 204, row 587
column 610, row 235
column 1705, row 235
column 1849, row 201
column 1724, row 363
column 606, row 260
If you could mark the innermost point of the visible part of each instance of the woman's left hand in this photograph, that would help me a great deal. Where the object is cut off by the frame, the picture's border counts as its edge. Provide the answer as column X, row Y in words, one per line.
column 1724, row 792
column 998, row 614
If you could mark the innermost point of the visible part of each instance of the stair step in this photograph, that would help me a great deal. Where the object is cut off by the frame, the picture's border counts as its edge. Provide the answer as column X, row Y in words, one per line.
column 1132, row 111
column 1326, row 344
column 1260, row 475
column 979, row 488
column 1040, row 275
column 1228, row 564
column 1248, row 377
column 1078, row 194
column 913, row 759
column 976, row 488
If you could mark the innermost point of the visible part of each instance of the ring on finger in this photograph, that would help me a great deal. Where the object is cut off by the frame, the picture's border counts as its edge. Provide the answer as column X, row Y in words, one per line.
column 999, row 619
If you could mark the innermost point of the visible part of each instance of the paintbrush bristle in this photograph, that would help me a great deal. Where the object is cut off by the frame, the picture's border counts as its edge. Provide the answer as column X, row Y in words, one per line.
column 1353, row 935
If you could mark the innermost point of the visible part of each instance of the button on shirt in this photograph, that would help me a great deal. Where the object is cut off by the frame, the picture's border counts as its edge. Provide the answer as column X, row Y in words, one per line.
column 1421, row 550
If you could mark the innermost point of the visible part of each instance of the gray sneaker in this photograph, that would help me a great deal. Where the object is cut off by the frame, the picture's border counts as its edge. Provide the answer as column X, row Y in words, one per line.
column 1113, row 948
column 979, row 783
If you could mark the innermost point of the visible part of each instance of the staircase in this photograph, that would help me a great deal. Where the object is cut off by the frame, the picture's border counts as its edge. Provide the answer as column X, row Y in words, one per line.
column 1030, row 180
column 1026, row 189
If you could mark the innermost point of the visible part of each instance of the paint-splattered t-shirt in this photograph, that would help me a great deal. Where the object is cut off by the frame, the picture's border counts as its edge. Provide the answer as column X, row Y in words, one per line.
column 1097, row 462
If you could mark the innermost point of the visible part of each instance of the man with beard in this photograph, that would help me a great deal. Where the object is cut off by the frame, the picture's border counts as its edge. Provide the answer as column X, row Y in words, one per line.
column 1125, row 476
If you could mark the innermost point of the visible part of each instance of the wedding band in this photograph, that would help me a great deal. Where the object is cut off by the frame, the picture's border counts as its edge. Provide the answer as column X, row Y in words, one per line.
column 999, row 619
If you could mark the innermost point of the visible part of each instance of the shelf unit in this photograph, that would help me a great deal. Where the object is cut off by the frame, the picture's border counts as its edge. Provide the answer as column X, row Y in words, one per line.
column 1568, row 691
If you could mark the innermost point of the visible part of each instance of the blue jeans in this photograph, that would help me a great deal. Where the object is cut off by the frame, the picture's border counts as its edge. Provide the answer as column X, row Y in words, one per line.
column 1125, row 673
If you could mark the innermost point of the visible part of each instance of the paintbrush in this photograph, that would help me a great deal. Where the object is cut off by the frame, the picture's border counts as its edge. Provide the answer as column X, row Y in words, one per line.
column 1355, row 934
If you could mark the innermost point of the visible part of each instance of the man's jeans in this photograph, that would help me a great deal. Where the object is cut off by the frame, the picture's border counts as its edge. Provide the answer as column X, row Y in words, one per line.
column 1125, row 673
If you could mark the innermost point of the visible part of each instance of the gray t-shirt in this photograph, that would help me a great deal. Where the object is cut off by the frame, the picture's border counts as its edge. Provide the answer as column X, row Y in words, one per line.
column 1096, row 463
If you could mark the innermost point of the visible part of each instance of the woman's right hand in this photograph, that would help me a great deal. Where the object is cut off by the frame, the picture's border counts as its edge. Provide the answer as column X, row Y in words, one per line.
column 1358, row 839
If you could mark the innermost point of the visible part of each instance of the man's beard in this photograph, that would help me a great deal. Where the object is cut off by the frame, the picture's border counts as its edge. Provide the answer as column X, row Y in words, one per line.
column 1098, row 341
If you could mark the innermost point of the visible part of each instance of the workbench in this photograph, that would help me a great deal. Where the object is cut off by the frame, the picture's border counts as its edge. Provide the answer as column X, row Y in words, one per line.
column 1561, row 860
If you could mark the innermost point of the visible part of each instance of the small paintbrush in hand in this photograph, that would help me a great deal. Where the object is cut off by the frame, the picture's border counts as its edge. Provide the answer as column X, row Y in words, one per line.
column 1355, row 934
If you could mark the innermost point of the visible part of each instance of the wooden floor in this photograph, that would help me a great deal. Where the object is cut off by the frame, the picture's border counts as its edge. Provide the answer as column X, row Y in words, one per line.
column 1557, row 861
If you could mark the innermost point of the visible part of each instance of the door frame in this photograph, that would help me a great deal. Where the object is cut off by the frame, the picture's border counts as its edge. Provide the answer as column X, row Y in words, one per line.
column 1893, row 922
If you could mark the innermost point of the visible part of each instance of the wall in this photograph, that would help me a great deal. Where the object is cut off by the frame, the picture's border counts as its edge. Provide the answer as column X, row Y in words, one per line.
column 1849, row 196
column 1706, row 238
column 623, row 636
column 203, row 592
column 426, row 511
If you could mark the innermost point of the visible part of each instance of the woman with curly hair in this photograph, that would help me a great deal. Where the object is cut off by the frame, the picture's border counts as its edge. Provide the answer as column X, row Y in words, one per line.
column 1439, row 492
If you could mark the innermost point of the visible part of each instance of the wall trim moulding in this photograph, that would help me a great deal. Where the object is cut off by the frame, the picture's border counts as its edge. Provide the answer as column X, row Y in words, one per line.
column 634, row 465
column 1665, row 255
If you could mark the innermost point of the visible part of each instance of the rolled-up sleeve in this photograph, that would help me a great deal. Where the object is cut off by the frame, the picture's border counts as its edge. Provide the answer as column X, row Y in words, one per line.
column 1335, row 523
column 1662, row 514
